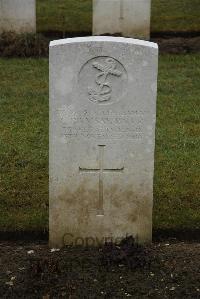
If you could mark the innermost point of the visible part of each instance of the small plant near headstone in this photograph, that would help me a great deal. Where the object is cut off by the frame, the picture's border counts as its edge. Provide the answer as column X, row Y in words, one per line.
column 43, row 267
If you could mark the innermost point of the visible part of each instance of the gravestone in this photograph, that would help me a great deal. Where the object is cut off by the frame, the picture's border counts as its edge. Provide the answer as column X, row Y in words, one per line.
column 102, row 135
column 129, row 18
column 18, row 16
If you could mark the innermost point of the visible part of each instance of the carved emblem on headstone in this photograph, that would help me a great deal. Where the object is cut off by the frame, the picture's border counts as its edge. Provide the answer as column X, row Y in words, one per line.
column 107, row 79
column 103, row 89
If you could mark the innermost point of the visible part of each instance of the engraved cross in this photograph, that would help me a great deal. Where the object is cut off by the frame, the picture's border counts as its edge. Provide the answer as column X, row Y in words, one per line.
column 121, row 16
column 101, row 170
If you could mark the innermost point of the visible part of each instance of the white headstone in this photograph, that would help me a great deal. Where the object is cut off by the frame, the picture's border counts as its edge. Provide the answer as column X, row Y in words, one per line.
column 18, row 16
column 129, row 18
column 102, row 135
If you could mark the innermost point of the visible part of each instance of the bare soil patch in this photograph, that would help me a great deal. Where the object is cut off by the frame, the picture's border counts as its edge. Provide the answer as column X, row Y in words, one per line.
column 37, row 45
column 178, row 45
column 167, row 269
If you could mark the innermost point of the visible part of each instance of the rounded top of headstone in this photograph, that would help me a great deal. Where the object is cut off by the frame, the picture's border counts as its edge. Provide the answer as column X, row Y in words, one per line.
column 113, row 39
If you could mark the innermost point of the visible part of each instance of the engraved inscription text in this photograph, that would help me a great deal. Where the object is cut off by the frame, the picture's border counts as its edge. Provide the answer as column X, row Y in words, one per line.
column 105, row 124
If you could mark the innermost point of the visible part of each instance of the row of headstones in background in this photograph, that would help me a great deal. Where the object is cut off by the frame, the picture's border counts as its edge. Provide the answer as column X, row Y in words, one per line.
column 130, row 18
column 102, row 135
column 18, row 16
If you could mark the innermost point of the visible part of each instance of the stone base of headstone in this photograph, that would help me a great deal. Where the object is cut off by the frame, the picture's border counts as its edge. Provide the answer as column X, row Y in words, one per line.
column 17, row 16
column 128, row 18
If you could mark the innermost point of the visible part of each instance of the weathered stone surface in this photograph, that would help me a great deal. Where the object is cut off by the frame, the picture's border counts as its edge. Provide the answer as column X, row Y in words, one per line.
column 18, row 16
column 129, row 18
column 102, row 134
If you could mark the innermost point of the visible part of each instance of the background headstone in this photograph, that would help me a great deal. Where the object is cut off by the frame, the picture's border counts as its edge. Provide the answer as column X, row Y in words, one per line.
column 18, row 16
column 102, row 135
column 129, row 18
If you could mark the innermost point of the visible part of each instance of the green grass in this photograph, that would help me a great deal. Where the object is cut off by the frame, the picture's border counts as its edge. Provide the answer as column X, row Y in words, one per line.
column 24, row 144
column 64, row 15
column 76, row 15
column 175, row 15
column 177, row 172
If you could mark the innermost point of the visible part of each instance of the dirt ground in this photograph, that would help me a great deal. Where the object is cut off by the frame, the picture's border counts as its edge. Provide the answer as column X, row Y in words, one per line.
column 167, row 269
column 12, row 45
column 178, row 45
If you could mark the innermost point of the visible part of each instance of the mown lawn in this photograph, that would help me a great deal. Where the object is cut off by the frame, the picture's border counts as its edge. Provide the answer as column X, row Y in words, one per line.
column 69, row 16
column 24, row 144
column 75, row 16
column 175, row 15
